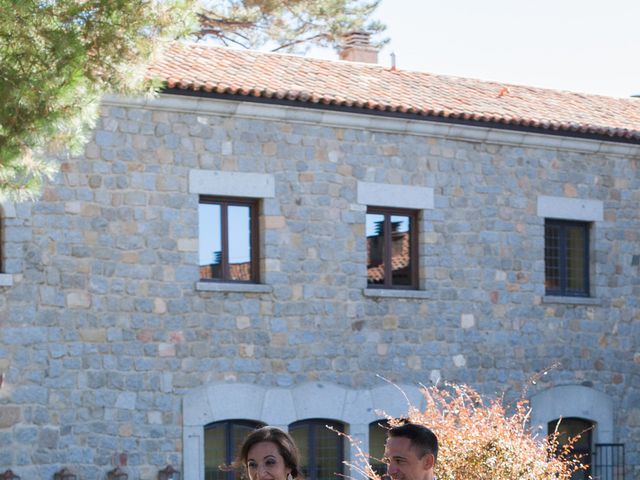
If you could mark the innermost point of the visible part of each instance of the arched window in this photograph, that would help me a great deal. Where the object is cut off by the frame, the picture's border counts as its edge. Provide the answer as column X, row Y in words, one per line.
column 221, row 441
column 574, row 427
column 321, row 450
column 377, row 439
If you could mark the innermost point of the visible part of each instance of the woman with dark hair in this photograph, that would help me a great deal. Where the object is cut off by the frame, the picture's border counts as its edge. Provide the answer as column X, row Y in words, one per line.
column 268, row 453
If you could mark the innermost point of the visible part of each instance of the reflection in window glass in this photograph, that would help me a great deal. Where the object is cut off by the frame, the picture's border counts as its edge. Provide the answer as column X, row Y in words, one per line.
column 400, row 250
column 210, row 240
column 391, row 241
column 375, row 248
column 228, row 239
column 239, row 243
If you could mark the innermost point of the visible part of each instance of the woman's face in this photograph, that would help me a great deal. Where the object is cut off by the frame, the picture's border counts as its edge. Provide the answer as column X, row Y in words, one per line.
column 264, row 462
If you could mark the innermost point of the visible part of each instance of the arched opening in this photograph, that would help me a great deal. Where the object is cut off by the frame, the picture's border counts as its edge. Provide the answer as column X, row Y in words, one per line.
column 577, row 432
column 349, row 410
column 321, row 450
column 377, row 438
column 221, row 443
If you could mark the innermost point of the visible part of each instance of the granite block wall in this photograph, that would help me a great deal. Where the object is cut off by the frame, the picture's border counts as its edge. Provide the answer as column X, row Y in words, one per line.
column 104, row 330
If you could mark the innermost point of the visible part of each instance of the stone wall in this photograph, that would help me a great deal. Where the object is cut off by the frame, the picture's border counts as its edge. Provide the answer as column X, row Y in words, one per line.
column 104, row 331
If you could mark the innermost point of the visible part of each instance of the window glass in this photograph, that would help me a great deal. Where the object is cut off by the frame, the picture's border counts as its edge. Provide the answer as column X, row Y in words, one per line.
column 569, row 429
column 377, row 439
column 321, row 450
column 215, row 453
column 401, row 250
column 221, row 443
column 552, row 257
column 210, row 240
column 239, row 243
column 566, row 256
column 375, row 248
column 575, row 258
column 228, row 239
column 391, row 248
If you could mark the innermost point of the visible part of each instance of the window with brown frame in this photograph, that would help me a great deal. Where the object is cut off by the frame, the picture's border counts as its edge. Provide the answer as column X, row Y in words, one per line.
column 566, row 258
column 228, row 239
column 392, row 244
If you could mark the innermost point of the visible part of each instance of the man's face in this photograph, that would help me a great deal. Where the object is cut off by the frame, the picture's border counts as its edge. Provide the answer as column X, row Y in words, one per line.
column 403, row 462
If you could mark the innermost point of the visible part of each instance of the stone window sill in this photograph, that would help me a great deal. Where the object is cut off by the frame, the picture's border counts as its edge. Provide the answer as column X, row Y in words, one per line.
column 6, row 280
column 233, row 287
column 395, row 293
column 571, row 300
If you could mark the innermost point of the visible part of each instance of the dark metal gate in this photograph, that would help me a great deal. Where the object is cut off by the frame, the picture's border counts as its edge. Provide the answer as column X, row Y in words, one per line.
column 609, row 461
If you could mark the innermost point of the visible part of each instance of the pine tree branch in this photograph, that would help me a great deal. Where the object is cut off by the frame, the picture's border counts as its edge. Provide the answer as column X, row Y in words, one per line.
column 300, row 41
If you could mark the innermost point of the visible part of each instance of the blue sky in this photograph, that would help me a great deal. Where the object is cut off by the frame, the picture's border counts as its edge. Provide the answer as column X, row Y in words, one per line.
column 590, row 46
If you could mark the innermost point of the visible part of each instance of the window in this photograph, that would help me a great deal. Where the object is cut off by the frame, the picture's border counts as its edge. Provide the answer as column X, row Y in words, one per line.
column 577, row 431
column 221, row 441
column 392, row 248
column 377, row 439
column 321, row 450
column 566, row 258
column 228, row 239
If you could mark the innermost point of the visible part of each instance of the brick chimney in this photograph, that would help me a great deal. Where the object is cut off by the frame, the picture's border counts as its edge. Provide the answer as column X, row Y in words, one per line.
column 356, row 48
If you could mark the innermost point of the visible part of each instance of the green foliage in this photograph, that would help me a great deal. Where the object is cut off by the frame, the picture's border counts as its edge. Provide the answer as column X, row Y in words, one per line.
column 287, row 25
column 57, row 58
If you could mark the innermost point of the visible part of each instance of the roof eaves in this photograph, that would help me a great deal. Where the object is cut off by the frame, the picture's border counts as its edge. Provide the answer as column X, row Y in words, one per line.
column 304, row 99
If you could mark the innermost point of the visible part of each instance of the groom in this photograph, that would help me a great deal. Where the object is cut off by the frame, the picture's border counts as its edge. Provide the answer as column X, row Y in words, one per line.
column 410, row 452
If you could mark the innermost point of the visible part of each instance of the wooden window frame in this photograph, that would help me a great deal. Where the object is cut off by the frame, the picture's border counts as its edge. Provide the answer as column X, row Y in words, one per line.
column 225, row 203
column 563, row 290
column 387, row 212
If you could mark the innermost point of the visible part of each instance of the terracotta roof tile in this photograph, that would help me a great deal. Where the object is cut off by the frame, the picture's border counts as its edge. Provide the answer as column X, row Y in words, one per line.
column 250, row 73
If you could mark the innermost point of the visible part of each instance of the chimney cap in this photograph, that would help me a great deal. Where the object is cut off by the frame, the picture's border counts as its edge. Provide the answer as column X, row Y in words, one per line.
column 357, row 37
column 357, row 48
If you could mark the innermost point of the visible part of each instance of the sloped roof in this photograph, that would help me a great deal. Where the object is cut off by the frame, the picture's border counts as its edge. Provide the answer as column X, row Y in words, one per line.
column 247, row 73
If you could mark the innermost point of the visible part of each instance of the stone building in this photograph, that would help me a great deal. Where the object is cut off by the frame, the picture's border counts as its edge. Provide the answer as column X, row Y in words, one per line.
column 274, row 237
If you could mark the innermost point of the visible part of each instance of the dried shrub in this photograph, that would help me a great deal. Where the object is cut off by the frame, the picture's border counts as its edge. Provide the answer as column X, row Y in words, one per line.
column 482, row 441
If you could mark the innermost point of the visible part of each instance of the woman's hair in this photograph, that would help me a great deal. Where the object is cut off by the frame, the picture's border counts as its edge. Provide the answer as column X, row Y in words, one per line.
column 280, row 439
